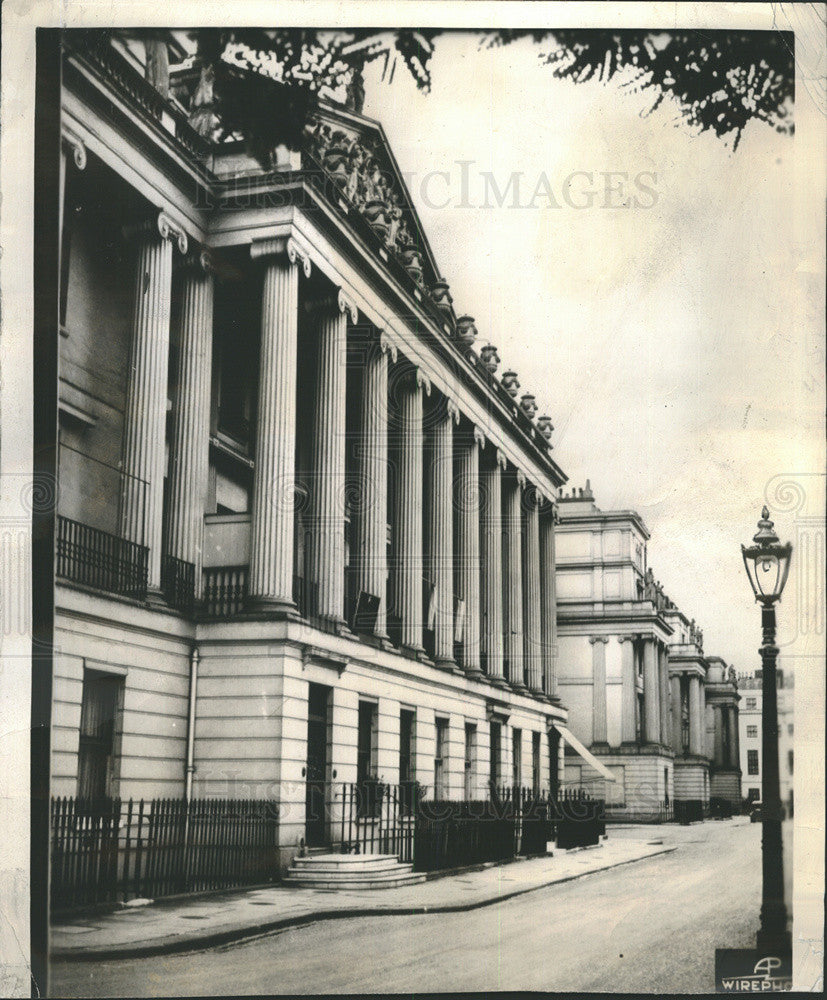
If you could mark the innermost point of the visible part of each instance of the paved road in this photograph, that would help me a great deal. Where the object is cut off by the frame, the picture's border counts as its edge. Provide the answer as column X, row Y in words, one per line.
column 648, row 927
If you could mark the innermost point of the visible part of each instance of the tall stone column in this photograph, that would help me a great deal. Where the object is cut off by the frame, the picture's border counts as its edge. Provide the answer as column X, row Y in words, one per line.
column 548, row 591
column 513, row 583
column 274, row 479
column 627, row 690
column 408, row 563
column 663, row 673
column 467, row 506
column 734, row 762
column 189, row 453
column 651, row 692
column 491, row 558
column 371, row 535
column 327, row 462
column 719, row 736
column 532, row 638
column 695, row 717
column 146, row 397
column 676, row 720
column 598, row 643
column 441, row 530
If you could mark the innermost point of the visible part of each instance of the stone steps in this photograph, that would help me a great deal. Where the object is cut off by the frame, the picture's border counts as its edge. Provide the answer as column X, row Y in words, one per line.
column 350, row 871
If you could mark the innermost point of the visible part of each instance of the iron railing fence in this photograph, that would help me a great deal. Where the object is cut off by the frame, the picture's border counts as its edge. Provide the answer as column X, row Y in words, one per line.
column 533, row 824
column 579, row 818
column 378, row 818
column 657, row 812
column 451, row 834
column 178, row 583
column 690, row 810
column 112, row 850
column 98, row 559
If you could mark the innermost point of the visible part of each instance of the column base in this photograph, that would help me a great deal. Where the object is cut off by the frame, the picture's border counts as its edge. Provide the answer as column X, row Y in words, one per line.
column 278, row 607
column 412, row 652
column 333, row 625
column 155, row 598
column 497, row 681
column 518, row 687
column 449, row 666
column 377, row 639
column 473, row 673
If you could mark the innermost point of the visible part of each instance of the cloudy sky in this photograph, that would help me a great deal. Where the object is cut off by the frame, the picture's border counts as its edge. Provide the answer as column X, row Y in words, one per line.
column 662, row 336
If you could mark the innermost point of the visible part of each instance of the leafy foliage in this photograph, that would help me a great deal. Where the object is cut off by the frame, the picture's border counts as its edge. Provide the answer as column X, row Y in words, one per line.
column 263, row 85
column 721, row 80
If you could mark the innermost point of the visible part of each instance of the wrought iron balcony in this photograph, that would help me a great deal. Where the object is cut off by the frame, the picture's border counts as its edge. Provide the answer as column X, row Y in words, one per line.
column 97, row 559
column 178, row 583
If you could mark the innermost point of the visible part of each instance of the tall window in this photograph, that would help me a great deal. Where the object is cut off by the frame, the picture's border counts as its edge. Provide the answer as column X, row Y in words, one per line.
column 752, row 762
column 790, row 761
column 407, row 720
column 407, row 723
column 470, row 760
column 751, row 703
column 517, row 759
column 440, row 760
column 752, row 732
column 366, row 742
column 535, row 763
column 97, row 751
column 684, row 687
column 495, row 770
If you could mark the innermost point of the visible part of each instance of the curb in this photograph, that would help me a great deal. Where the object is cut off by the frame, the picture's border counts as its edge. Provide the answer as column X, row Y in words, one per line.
column 234, row 935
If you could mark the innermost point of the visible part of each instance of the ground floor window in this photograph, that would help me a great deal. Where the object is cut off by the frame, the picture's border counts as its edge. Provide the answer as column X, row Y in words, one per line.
column 495, row 769
column 535, row 763
column 366, row 742
column 101, row 706
column 470, row 759
column 440, row 760
column 517, row 762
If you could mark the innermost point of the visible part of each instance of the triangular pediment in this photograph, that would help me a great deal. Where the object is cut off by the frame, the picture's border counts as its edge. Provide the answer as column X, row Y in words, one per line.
column 355, row 153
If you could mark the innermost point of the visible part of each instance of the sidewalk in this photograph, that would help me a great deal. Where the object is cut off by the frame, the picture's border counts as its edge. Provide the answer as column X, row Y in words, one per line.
column 208, row 921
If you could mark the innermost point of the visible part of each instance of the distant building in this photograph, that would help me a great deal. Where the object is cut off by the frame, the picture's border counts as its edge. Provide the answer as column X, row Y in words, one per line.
column 750, row 735
column 643, row 698
column 722, row 731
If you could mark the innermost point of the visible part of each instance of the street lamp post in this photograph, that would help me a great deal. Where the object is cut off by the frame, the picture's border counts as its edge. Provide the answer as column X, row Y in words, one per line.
column 768, row 563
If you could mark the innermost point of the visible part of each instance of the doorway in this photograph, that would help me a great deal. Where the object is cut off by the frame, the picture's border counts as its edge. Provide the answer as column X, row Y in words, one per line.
column 318, row 702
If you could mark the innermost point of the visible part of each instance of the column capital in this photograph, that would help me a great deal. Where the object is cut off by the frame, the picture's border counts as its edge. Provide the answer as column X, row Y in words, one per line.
column 500, row 459
column 336, row 301
column 479, row 436
column 453, row 410
column 625, row 638
column 277, row 246
column 422, row 381
column 598, row 638
column 77, row 147
column 387, row 346
column 161, row 223
column 522, row 481
column 199, row 259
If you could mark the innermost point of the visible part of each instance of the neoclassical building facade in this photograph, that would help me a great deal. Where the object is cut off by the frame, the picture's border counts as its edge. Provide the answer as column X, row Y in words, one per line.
column 306, row 533
column 633, row 673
